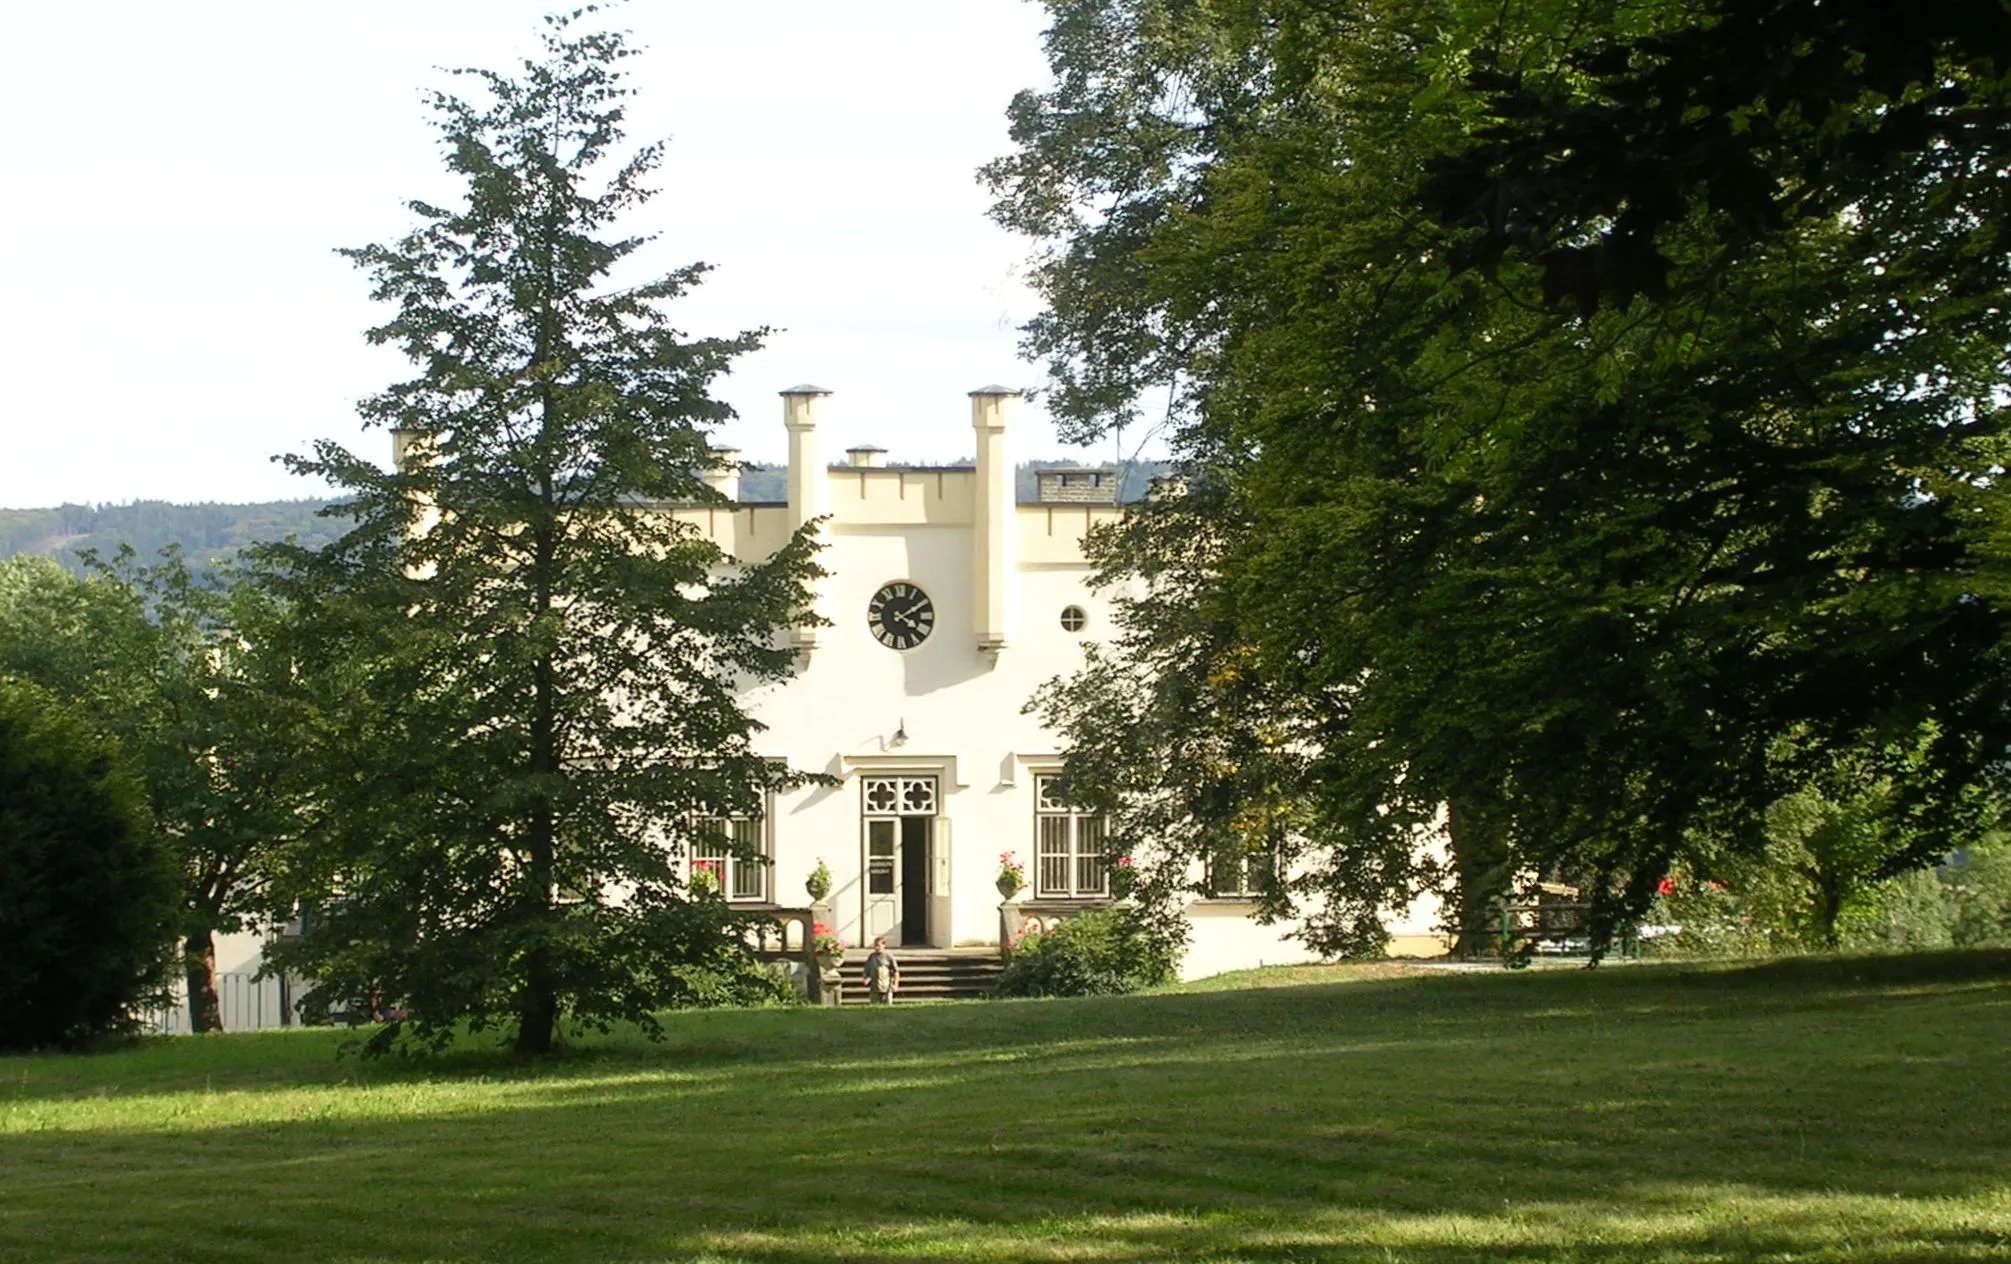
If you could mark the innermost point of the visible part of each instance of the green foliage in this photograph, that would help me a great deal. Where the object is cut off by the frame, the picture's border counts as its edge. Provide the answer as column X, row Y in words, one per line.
column 1770, row 904
column 818, row 885
column 1738, row 117
column 1964, row 902
column 1976, row 884
column 1102, row 952
column 1579, row 577
column 1912, row 913
column 86, row 639
column 1839, row 850
column 191, row 672
column 528, row 677
column 207, row 533
column 87, row 892
column 1197, row 759
column 1756, row 911
column 730, row 980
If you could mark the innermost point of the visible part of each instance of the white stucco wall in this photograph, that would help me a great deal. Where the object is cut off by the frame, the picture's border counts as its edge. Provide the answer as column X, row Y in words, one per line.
column 960, row 709
column 946, row 708
column 1226, row 938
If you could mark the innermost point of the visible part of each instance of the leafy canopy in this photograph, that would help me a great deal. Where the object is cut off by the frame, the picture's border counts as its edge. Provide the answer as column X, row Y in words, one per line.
column 180, row 667
column 1567, row 590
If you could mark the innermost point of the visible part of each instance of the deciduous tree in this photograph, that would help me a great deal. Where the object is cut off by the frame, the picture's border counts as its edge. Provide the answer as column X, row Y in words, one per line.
column 187, row 671
column 1575, row 574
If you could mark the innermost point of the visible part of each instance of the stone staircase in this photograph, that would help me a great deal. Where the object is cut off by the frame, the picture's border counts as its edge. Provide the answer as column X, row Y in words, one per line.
column 929, row 974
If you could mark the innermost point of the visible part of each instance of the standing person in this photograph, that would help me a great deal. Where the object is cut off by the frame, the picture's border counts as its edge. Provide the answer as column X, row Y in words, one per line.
column 883, row 973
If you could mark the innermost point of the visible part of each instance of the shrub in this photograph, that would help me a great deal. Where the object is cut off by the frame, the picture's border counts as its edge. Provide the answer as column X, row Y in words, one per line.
column 1102, row 952
column 1763, row 910
column 1977, row 887
column 89, row 899
column 737, row 983
column 1909, row 913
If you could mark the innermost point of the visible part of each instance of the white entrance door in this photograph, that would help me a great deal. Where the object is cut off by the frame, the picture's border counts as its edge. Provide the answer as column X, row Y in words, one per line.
column 897, row 812
column 883, row 879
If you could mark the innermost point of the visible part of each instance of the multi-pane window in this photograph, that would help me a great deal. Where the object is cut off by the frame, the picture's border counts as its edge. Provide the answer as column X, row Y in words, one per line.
column 734, row 854
column 1069, row 860
column 1241, row 874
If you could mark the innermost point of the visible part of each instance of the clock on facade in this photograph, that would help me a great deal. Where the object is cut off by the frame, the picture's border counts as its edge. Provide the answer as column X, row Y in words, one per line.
column 900, row 616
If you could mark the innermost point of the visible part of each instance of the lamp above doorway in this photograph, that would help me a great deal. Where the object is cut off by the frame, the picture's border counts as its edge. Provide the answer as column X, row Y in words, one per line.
column 900, row 737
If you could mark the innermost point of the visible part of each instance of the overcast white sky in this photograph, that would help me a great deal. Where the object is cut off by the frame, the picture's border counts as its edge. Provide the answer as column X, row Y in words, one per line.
column 172, row 313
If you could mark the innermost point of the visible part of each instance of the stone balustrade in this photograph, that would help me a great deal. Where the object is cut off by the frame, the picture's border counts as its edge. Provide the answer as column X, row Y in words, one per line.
column 1021, row 917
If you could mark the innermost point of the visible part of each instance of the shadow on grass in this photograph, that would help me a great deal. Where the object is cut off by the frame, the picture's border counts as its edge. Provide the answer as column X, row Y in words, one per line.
column 715, row 1038
column 1675, row 1112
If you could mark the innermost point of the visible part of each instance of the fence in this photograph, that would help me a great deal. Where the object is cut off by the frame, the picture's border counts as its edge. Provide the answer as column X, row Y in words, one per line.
column 245, row 1002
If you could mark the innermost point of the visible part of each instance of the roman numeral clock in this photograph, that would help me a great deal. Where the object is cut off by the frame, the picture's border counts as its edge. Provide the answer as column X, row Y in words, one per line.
column 900, row 616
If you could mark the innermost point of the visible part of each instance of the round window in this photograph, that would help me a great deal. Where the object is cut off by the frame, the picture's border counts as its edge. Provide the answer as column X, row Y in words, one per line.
column 1073, row 619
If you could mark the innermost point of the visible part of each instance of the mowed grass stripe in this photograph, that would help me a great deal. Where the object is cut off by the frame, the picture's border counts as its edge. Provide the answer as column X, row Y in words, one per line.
column 1822, row 1110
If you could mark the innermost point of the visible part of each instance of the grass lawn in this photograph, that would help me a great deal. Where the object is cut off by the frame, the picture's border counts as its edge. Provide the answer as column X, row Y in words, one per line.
column 1814, row 1110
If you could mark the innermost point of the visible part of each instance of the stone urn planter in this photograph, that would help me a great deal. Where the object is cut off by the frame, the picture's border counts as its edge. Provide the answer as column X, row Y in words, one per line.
column 1012, row 878
column 826, row 949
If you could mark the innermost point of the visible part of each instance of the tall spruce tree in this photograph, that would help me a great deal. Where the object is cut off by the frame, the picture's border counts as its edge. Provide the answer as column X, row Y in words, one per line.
column 531, row 674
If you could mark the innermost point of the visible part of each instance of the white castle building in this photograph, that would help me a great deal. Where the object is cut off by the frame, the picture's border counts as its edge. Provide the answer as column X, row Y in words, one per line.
column 949, row 602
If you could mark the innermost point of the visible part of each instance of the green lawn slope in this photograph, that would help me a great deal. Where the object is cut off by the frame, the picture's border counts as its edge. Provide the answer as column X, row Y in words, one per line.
column 1816, row 1110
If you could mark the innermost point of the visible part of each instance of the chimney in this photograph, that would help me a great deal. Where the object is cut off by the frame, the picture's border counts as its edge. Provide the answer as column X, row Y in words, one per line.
column 992, row 521
column 413, row 450
column 723, row 475
column 865, row 457
column 806, row 476
column 409, row 447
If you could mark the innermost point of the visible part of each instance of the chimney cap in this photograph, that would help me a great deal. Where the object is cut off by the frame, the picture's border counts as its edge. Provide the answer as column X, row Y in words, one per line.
column 865, row 447
column 993, row 390
column 805, row 389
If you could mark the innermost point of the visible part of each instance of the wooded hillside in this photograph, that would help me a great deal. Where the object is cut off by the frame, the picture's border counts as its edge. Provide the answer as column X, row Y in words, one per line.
column 211, row 531
column 207, row 532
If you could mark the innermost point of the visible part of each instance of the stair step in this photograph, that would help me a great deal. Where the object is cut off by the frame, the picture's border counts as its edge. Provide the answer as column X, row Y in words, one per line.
column 937, row 976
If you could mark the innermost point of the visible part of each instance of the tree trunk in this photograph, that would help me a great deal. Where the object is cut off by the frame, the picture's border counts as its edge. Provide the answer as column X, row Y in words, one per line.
column 199, row 968
column 1481, row 872
column 538, row 1012
column 538, row 1006
column 1829, row 911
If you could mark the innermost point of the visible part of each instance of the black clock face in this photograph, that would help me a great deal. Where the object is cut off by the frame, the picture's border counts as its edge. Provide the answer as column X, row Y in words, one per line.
column 900, row 616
